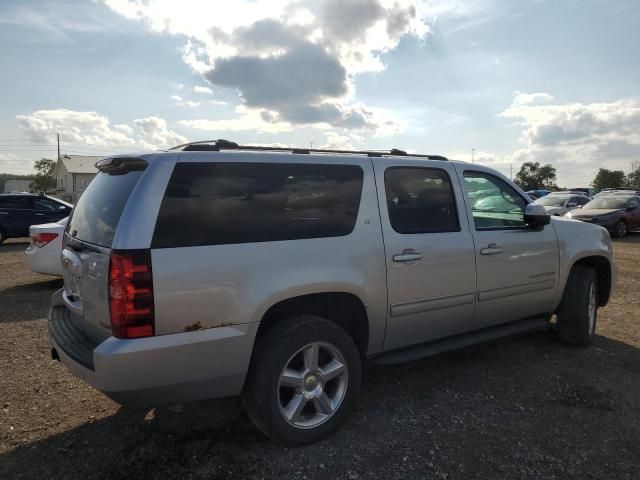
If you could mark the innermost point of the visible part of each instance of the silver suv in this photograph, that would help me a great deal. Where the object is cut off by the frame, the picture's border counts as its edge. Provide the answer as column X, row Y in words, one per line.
column 215, row 269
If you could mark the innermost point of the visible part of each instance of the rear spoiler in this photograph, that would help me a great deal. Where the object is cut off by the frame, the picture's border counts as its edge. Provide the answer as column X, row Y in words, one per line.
column 120, row 165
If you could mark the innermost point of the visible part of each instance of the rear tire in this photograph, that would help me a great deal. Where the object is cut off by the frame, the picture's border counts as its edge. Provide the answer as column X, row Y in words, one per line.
column 620, row 229
column 578, row 313
column 292, row 398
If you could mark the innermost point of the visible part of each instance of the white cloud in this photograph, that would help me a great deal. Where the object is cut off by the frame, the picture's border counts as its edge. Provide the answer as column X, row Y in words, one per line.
column 203, row 90
column 578, row 138
column 297, row 58
column 89, row 129
column 346, row 141
column 245, row 119
column 181, row 102
column 521, row 98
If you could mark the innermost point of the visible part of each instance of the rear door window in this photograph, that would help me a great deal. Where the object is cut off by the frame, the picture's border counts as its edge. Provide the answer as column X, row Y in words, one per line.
column 228, row 203
column 45, row 204
column 97, row 213
column 420, row 200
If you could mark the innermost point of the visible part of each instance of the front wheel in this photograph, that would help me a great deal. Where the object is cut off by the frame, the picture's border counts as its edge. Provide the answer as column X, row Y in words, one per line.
column 578, row 313
column 304, row 379
column 620, row 229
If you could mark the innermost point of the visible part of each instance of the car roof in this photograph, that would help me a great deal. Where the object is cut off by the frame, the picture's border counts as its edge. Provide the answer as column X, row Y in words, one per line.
column 627, row 196
column 567, row 194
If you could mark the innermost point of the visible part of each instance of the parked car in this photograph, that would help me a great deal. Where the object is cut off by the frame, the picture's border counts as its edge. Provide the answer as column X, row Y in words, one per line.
column 617, row 191
column 19, row 211
column 618, row 213
column 535, row 194
column 559, row 203
column 43, row 254
column 586, row 191
column 215, row 269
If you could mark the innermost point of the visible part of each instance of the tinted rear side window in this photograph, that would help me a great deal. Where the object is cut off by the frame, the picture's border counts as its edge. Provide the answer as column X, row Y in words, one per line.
column 420, row 200
column 225, row 203
column 19, row 203
column 97, row 213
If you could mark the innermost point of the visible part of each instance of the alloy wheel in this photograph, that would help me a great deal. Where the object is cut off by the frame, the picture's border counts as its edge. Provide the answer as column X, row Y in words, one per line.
column 312, row 385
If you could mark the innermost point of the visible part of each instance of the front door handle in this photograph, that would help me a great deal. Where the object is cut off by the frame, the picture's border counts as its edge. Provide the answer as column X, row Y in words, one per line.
column 406, row 256
column 491, row 249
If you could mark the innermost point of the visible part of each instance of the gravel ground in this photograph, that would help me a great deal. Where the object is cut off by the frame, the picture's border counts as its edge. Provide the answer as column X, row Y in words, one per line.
column 527, row 407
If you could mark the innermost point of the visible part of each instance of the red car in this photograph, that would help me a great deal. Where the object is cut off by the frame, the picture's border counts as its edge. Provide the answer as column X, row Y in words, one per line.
column 618, row 213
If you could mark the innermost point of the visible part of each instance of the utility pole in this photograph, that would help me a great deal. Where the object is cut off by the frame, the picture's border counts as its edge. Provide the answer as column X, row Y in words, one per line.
column 473, row 155
column 511, row 171
column 58, row 137
column 311, row 145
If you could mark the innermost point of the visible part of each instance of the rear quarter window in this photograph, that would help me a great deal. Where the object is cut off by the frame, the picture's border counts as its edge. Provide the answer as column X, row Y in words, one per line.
column 97, row 213
column 229, row 203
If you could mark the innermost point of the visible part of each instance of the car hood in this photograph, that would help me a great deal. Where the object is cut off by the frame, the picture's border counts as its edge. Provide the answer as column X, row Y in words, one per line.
column 594, row 212
column 552, row 210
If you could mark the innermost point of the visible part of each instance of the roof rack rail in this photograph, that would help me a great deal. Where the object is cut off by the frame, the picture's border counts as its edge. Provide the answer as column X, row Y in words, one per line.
column 221, row 144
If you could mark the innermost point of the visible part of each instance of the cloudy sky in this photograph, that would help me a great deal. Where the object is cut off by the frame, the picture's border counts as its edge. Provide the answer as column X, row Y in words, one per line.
column 547, row 80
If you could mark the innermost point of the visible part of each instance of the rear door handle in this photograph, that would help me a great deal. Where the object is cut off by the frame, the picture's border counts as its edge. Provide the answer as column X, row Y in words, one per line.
column 40, row 214
column 491, row 249
column 407, row 256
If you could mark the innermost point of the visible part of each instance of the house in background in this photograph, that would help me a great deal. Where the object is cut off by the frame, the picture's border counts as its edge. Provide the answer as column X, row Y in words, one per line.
column 17, row 186
column 73, row 173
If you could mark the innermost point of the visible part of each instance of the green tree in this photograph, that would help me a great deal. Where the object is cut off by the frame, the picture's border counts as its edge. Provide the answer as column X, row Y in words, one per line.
column 606, row 178
column 633, row 179
column 44, row 180
column 533, row 176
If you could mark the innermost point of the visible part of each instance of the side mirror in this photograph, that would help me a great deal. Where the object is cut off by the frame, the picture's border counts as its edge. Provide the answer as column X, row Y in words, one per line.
column 631, row 207
column 62, row 208
column 536, row 216
column 572, row 205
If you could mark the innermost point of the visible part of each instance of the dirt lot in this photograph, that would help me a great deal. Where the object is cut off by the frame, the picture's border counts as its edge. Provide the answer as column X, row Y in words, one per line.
column 519, row 408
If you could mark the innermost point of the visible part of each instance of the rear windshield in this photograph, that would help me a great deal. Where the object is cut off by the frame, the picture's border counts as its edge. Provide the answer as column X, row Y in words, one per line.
column 552, row 200
column 225, row 203
column 97, row 213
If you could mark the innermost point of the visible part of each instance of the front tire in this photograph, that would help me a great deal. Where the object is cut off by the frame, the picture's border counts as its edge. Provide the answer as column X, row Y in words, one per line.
column 304, row 378
column 578, row 312
column 620, row 229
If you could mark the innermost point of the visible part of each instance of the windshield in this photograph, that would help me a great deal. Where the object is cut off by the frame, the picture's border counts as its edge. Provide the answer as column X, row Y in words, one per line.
column 97, row 213
column 607, row 203
column 552, row 201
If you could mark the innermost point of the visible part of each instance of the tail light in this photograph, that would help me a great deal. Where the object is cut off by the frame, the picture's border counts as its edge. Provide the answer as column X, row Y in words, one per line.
column 41, row 239
column 131, row 294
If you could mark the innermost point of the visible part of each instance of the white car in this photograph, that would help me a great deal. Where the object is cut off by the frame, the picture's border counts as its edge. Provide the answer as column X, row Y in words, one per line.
column 559, row 203
column 43, row 254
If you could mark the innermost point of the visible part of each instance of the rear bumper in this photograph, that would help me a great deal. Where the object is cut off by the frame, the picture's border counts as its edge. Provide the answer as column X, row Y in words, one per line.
column 45, row 259
column 151, row 371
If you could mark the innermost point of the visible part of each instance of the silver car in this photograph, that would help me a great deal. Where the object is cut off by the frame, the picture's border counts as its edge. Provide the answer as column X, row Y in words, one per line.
column 560, row 203
column 215, row 270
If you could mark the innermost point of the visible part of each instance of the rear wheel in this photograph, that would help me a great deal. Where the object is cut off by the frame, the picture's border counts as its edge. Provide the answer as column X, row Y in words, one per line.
column 304, row 378
column 578, row 313
column 620, row 229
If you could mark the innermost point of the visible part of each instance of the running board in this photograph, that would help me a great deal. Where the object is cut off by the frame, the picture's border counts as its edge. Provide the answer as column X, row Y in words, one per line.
column 460, row 341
